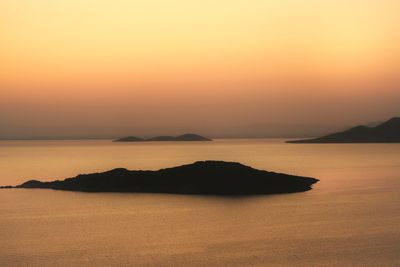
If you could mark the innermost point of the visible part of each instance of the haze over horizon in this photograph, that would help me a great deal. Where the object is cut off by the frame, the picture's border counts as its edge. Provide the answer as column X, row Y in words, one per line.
column 219, row 68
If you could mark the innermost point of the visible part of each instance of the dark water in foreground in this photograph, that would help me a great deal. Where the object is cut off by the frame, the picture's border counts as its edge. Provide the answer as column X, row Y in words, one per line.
column 350, row 218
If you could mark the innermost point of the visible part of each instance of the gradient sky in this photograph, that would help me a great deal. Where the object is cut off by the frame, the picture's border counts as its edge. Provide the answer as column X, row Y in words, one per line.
column 80, row 68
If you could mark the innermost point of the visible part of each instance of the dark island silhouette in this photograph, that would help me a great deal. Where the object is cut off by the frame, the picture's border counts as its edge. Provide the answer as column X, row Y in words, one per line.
column 184, row 137
column 202, row 177
column 387, row 132
column 130, row 139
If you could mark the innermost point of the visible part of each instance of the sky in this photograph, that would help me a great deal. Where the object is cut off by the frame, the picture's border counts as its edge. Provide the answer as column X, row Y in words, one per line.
column 226, row 68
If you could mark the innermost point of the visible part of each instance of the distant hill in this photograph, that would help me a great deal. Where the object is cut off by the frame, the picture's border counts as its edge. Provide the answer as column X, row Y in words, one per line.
column 130, row 139
column 184, row 137
column 387, row 132
column 202, row 177
column 373, row 123
column 162, row 138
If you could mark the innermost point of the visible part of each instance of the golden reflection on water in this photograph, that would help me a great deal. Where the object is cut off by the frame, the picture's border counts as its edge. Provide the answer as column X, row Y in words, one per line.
column 350, row 218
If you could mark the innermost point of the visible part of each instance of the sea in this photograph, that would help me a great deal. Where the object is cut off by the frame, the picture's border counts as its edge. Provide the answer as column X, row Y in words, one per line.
column 351, row 217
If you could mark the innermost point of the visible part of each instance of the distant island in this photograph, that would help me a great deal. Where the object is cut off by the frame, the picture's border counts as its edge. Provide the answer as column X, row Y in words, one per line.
column 184, row 137
column 387, row 132
column 202, row 177
column 130, row 139
column 5, row 187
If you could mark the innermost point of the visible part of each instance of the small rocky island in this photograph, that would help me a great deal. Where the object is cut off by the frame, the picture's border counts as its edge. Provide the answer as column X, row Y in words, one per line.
column 387, row 132
column 184, row 137
column 202, row 177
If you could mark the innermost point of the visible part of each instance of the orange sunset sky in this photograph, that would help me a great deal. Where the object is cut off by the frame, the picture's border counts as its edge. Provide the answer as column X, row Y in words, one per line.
column 108, row 68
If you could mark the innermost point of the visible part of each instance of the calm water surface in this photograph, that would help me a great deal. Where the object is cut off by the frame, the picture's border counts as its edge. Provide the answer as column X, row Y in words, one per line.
column 350, row 218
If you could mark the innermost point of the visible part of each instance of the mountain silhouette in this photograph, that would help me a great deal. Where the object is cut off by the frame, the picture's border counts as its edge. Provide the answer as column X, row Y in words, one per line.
column 202, row 177
column 184, row 137
column 387, row 132
column 130, row 139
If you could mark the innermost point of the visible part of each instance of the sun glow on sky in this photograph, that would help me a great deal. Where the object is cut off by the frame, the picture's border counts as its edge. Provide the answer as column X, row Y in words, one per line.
column 122, row 59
